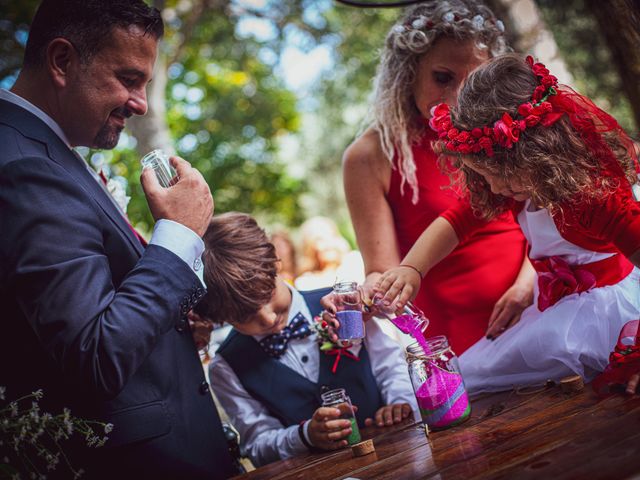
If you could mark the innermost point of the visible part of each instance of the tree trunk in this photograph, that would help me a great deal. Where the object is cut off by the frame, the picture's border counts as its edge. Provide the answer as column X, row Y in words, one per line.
column 619, row 21
column 528, row 33
column 151, row 131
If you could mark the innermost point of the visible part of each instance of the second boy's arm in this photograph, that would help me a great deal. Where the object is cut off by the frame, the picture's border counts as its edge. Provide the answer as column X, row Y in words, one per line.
column 263, row 438
column 389, row 368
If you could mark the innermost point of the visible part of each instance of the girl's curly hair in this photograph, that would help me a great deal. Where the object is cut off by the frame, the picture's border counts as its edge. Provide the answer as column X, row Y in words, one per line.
column 554, row 164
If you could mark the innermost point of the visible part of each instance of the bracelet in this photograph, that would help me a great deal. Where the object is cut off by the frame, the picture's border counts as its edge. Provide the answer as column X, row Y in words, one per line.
column 310, row 447
column 412, row 268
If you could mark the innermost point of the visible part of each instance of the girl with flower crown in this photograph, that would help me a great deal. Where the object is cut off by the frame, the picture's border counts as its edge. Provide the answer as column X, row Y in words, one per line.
column 518, row 143
column 394, row 188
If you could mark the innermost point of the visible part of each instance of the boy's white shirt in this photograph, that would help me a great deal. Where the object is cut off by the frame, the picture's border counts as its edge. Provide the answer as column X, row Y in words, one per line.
column 263, row 438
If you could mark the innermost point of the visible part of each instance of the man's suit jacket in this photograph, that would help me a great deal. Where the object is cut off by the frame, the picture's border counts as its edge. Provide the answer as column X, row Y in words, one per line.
column 94, row 319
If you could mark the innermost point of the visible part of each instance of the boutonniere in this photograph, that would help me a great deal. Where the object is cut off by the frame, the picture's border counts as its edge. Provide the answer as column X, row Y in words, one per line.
column 328, row 346
column 117, row 190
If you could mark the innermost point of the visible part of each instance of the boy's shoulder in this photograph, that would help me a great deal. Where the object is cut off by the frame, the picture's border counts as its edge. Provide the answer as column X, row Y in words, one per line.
column 235, row 341
column 312, row 299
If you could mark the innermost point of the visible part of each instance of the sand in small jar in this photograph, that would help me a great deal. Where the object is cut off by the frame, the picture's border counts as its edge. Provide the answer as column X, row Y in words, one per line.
column 351, row 324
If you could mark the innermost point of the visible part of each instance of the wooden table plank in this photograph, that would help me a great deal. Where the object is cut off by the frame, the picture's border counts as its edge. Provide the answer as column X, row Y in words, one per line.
column 544, row 435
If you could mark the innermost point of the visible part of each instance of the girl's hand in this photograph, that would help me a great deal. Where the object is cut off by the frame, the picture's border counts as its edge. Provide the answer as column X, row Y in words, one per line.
column 390, row 415
column 402, row 282
column 508, row 309
column 327, row 430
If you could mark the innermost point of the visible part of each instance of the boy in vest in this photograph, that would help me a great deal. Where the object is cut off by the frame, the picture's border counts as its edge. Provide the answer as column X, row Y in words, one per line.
column 270, row 372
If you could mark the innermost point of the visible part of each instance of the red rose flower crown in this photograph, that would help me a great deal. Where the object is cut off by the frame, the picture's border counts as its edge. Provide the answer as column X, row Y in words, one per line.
column 506, row 131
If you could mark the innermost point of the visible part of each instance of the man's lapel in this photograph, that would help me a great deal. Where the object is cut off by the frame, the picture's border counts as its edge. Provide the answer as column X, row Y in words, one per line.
column 34, row 128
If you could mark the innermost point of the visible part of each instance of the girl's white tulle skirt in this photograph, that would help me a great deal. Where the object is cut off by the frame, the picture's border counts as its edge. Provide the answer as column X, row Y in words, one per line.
column 574, row 336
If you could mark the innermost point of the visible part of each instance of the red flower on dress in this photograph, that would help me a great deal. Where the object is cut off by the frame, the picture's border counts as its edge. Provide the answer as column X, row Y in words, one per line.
column 557, row 279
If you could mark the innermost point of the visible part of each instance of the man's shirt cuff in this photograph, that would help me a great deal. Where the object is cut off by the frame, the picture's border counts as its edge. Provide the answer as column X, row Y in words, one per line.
column 182, row 241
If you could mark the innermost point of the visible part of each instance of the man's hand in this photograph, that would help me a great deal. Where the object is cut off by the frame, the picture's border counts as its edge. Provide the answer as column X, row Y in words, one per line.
column 390, row 415
column 327, row 430
column 188, row 202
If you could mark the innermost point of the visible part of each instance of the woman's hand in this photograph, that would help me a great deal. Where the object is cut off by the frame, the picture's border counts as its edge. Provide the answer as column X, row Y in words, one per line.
column 390, row 415
column 508, row 309
column 401, row 282
column 327, row 430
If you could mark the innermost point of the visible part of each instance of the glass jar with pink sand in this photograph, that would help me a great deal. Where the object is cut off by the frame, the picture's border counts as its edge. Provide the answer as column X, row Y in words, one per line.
column 437, row 383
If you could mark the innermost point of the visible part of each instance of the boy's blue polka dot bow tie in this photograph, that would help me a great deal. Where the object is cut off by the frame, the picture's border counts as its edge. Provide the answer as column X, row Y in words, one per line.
column 275, row 345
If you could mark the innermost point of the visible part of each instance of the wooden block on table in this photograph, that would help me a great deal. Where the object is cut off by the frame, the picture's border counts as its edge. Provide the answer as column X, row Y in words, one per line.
column 363, row 448
column 572, row 384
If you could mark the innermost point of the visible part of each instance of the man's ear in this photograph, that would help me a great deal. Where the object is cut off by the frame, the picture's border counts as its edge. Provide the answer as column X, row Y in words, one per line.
column 60, row 60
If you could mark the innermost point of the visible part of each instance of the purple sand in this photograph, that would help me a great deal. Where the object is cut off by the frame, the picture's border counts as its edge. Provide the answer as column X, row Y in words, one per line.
column 351, row 324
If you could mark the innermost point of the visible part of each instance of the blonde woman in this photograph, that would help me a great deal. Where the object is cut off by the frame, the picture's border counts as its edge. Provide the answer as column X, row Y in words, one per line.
column 394, row 188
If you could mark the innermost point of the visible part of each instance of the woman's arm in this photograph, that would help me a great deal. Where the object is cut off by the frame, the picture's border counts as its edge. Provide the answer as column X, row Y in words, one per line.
column 367, row 174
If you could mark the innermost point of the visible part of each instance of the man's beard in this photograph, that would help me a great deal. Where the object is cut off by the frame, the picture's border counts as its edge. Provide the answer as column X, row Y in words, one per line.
column 108, row 136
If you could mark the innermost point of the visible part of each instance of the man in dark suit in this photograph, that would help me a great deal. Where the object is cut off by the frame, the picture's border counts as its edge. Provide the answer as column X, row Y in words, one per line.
column 88, row 314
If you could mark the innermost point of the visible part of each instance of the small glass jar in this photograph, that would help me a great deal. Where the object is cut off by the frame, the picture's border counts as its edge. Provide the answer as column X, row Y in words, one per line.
column 411, row 321
column 348, row 301
column 339, row 399
column 437, row 383
column 159, row 162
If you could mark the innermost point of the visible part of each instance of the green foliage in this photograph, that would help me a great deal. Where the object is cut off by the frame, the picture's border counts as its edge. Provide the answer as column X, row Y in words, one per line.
column 15, row 16
column 587, row 56
column 342, row 96
column 226, row 113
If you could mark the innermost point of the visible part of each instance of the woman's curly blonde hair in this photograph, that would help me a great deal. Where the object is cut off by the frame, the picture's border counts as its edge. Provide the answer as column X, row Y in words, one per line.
column 395, row 115
column 553, row 164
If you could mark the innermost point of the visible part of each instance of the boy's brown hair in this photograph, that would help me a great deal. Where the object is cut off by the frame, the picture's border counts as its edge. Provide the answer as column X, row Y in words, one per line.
column 239, row 268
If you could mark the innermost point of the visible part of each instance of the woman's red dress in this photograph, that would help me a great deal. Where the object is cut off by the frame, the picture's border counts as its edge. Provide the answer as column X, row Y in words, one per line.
column 459, row 293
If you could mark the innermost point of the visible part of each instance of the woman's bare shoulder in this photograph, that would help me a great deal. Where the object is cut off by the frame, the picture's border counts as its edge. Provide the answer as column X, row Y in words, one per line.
column 365, row 154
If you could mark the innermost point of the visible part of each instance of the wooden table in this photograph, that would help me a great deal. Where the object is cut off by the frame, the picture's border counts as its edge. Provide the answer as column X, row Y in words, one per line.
column 539, row 435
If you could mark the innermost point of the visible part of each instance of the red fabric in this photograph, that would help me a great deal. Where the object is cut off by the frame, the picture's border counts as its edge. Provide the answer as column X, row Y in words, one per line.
column 624, row 361
column 557, row 279
column 459, row 293
column 338, row 352
column 603, row 224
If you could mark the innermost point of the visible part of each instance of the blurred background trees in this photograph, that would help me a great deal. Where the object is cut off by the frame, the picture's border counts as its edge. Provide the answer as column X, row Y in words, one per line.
column 262, row 96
